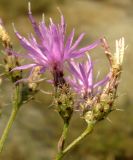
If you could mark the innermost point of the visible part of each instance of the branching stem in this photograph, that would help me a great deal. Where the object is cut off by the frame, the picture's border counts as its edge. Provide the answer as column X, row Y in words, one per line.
column 86, row 132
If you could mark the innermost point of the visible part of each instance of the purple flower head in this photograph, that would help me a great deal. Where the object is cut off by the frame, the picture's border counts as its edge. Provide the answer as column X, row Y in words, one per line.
column 52, row 48
column 82, row 78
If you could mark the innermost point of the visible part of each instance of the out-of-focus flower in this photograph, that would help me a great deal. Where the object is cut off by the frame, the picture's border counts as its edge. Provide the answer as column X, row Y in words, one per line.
column 11, row 61
column 53, row 48
column 4, row 35
column 82, row 78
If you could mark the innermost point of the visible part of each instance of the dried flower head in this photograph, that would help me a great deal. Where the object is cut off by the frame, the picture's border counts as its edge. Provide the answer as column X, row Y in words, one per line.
column 120, row 50
column 115, row 59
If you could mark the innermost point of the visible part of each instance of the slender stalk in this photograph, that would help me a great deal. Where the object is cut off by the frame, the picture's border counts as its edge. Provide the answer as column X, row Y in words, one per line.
column 63, row 137
column 7, row 129
column 87, row 131
column 62, row 140
column 59, row 156
column 11, row 118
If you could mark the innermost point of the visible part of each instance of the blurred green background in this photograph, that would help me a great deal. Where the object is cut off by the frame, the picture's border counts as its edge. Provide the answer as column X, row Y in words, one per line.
column 37, row 128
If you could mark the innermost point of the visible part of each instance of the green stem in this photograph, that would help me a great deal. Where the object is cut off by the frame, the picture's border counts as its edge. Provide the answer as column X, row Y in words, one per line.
column 59, row 156
column 7, row 129
column 62, row 140
column 11, row 119
column 87, row 131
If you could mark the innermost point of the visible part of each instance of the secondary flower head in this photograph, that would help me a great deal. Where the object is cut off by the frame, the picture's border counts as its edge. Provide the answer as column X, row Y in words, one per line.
column 52, row 48
column 82, row 78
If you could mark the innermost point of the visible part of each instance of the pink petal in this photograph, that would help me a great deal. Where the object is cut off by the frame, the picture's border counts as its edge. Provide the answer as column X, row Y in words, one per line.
column 27, row 66
column 77, row 42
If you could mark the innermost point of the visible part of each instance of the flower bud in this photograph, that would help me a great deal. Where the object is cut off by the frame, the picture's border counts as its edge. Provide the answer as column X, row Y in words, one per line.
column 64, row 102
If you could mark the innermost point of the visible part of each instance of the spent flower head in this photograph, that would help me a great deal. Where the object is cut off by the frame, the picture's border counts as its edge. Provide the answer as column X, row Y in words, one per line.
column 116, row 59
column 120, row 50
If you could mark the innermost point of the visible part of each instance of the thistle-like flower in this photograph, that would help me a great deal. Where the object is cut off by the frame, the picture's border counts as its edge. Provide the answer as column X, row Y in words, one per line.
column 82, row 78
column 53, row 48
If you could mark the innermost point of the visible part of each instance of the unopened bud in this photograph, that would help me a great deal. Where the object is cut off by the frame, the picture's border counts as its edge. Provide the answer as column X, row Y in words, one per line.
column 64, row 102
column 89, row 117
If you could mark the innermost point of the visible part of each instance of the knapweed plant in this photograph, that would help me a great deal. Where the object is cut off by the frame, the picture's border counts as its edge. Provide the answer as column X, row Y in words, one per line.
column 74, row 88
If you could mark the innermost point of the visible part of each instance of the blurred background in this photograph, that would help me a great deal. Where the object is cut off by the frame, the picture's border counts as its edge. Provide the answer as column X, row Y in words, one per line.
column 37, row 128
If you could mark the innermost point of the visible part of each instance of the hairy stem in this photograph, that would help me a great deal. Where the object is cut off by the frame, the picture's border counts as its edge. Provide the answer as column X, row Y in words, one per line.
column 11, row 118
